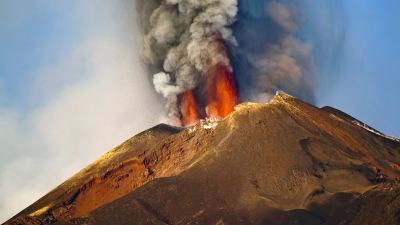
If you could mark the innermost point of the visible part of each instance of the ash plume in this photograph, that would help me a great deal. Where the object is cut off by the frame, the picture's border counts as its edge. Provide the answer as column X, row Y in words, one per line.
column 182, row 41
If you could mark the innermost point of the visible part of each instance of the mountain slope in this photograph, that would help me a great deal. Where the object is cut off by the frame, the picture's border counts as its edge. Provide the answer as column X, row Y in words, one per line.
column 284, row 162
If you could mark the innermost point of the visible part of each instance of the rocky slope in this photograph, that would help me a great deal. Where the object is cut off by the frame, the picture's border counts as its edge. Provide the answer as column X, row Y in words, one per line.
column 284, row 162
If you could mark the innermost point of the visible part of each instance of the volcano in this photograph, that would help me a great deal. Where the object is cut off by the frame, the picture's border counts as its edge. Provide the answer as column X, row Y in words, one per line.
column 282, row 162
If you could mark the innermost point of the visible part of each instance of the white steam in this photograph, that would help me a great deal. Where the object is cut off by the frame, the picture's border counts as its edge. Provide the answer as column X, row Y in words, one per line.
column 85, row 101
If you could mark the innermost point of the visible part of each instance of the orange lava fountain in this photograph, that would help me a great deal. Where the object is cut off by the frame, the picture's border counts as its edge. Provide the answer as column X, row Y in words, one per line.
column 219, row 87
column 188, row 109
column 222, row 94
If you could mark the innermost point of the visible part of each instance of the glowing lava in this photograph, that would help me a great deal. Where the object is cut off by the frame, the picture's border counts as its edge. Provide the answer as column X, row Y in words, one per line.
column 188, row 109
column 219, row 87
column 221, row 93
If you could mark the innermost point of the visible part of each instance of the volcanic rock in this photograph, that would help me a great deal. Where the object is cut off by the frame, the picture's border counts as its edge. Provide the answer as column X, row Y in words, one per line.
column 283, row 162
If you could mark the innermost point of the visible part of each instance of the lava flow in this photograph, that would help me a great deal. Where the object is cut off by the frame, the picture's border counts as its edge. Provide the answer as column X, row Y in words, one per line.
column 188, row 109
column 221, row 93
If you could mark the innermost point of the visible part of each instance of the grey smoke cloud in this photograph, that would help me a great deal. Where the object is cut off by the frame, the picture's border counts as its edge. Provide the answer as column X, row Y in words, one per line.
column 287, row 64
column 266, row 54
column 182, row 41
column 282, row 15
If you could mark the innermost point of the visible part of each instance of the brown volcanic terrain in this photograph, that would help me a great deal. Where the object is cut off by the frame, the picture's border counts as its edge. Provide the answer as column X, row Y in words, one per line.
column 284, row 162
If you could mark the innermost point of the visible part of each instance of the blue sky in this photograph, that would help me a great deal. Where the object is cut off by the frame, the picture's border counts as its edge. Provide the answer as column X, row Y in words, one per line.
column 70, row 76
column 366, row 83
column 25, row 29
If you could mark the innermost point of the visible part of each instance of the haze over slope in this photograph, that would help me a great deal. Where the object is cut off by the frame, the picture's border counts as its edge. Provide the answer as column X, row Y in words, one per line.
column 284, row 162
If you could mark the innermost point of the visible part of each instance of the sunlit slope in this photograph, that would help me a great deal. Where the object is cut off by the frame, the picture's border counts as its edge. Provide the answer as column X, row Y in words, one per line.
column 282, row 162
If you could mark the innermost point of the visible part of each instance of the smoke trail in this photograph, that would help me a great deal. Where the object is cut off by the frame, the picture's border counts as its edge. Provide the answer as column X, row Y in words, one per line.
column 183, row 39
column 270, row 56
